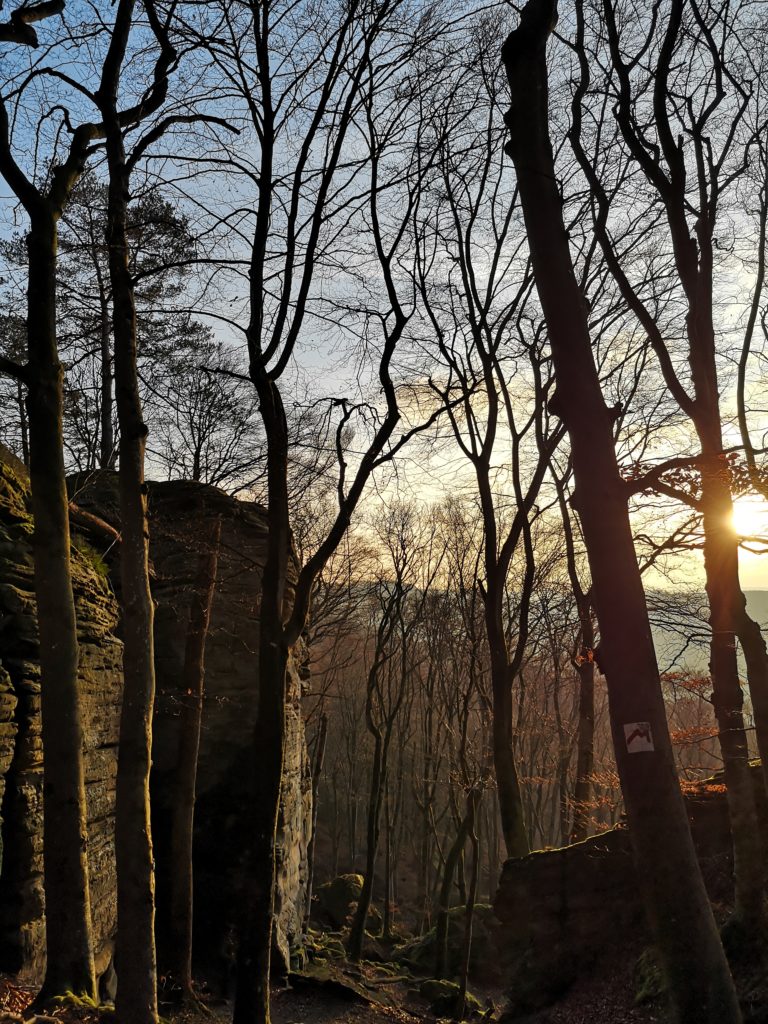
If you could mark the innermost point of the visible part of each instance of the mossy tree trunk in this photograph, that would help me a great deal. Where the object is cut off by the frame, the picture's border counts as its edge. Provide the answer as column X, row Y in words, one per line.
column 69, row 943
column 701, row 987
column 136, row 999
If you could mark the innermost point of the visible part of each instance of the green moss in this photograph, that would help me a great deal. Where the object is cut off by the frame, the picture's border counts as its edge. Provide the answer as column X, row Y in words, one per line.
column 91, row 556
column 649, row 980
column 443, row 997
column 321, row 947
column 419, row 954
column 14, row 499
column 81, row 1002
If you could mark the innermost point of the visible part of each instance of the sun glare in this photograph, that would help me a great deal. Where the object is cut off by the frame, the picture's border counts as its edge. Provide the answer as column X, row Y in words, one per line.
column 750, row 518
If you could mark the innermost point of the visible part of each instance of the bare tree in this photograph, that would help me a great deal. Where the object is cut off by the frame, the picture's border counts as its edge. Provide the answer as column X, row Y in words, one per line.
column 414, row 560
column 468, row 223
column 323, row 91
column 69, row 944
column 691, row 181
column 700, row 983
column 192, row 693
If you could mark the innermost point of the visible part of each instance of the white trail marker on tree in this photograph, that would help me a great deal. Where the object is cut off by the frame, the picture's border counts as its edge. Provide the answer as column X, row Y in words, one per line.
column 638, row 736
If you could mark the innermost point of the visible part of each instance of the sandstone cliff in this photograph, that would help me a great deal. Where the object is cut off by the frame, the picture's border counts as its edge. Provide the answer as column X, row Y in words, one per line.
column 179, row 514
column 21, row 756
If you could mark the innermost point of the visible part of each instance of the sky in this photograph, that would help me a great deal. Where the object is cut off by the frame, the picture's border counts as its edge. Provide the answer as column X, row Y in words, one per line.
column 751, row 518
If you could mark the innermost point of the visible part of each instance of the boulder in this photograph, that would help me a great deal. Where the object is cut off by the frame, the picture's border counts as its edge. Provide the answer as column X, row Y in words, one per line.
column 337, row 902
column 562, row 910
column 338, row 898
column 181, row 513
column 443, row 998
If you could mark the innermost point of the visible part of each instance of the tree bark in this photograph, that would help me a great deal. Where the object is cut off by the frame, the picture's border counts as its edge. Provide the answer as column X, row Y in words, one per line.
column 317, row 771
column 444, row 906
column 386, row 928
column 725, row 600
column 585, row 742
column 252, row 999
column 252, row 1002
column 507, row 781
column 700, row 984
column 136, row 999
column 107, row 439
column 473, row 804
column 69, row 943
column 190, row 722
column 375, row 798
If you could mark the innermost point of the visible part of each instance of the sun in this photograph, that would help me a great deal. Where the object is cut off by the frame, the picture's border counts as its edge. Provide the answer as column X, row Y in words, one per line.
column 750, row 518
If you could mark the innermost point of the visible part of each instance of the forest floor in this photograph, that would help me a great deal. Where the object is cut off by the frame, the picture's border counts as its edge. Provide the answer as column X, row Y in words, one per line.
column 605, row 996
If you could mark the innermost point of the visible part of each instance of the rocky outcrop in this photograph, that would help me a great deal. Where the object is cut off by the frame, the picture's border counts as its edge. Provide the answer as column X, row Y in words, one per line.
column 21, row 756
column 560, row 910
column 180, row 515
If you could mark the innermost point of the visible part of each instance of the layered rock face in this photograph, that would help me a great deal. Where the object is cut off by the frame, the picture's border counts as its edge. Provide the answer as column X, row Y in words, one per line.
column 560, row 910
column 181, row 514
column 22, row 945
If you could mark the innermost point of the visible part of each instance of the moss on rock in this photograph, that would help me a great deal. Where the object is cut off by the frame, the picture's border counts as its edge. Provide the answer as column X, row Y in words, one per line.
column 443, row 997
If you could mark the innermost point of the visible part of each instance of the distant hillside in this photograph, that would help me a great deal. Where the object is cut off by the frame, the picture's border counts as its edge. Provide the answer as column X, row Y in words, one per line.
column 680, row 629
column 757, row 605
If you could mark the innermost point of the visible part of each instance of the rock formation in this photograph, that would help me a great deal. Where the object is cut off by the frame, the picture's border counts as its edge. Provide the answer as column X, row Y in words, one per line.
column 178, row 515
column 562, row 910
column 21, row 757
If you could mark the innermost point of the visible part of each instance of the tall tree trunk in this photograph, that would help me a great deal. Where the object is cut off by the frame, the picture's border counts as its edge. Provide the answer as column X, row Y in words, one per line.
column 135, row 948
column 700, row 984
column 507, row 781
column 190, row 722
column 756, row 657
column 560, row 834
column 23, row 423
column 69, row 943
column 386, row 930
column 585, row 742
column 725, row 598
column 252, row 1003
column 106, row 439
column 473, row 804
column 317, row 771
column 375, row 798
column 442, row 964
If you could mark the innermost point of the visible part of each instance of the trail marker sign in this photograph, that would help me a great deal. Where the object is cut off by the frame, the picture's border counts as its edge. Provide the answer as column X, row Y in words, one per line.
column 638, row 737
